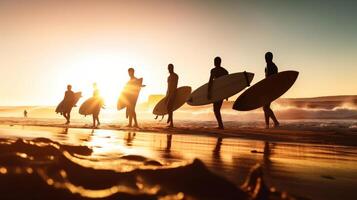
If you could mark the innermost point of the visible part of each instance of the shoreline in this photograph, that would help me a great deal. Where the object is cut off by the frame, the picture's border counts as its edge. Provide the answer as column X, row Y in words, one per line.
column 284, row 134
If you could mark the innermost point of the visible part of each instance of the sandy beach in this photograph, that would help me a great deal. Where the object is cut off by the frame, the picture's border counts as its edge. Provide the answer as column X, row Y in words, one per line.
column 312, row 157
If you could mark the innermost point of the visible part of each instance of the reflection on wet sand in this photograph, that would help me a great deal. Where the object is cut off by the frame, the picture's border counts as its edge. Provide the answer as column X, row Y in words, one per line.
column 129, row 138
column 296, row 168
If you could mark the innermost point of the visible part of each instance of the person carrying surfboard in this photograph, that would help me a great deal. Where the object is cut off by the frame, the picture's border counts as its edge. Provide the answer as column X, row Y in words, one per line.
column 134, row 87
column 216, row 72
column 67, row 101
column 172, row 81
column 97, row 107
column 270, row 69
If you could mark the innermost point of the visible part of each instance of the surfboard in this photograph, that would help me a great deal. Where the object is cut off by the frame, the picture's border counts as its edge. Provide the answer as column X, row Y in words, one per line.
column 62, row 105
column 222, row 88
column 130, row 94
column 182, row 94
column 91, row 106
column 265, row 91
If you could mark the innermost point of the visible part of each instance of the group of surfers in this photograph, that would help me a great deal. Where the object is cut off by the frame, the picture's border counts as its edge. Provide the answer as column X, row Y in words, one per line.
column 172, row 82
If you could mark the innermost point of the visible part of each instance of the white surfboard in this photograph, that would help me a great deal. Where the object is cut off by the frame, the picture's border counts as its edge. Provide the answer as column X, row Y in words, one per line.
column 222, row 88
column 182, row 94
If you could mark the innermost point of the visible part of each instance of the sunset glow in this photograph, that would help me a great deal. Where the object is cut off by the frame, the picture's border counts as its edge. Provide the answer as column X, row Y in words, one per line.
column 47, row 45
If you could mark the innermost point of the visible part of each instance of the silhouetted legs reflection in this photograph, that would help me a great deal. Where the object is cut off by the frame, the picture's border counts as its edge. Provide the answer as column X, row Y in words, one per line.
column 65, row 131
column 168, row 143
column 129, row 138
column 217, row 148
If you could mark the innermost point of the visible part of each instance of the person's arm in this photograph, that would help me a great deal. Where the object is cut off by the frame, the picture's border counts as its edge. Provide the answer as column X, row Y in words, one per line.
column 210, row 82
column 142, row 85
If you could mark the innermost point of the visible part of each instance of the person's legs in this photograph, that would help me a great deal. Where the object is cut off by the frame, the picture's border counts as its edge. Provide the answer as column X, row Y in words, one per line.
column 170, row 112
column 93, row 120
column 98, row 122
column 268, row 112
column 266, row 109
column 129, row 116
column 135, row 121
column 217, row 112
column 130, row 121
column 96, row 114
column 171, row 119
column 67, row 116
column 272, row 115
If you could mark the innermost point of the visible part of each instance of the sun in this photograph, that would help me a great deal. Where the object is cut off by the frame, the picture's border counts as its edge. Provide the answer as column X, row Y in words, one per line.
column 106, row 69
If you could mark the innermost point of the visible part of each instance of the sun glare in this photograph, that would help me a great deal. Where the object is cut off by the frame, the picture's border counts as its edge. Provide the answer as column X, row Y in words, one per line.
column 107, row 70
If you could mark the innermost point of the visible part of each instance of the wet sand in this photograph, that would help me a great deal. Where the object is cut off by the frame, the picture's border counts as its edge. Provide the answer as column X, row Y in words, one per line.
column 314, row 164
column 329, row 132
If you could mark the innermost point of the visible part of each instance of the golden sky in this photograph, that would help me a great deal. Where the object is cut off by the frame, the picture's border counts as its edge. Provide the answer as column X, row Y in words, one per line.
column 45, row 45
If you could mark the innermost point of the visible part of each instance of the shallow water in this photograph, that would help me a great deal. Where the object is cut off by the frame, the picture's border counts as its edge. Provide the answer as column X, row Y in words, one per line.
column 312, row 171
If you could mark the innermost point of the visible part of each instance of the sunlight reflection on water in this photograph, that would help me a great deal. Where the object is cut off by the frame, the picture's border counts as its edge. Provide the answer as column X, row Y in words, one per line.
column 286, row 165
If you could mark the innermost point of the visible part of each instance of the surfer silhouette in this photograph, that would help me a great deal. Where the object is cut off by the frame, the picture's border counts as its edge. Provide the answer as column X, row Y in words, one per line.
column 270, row 69
column 25, row 113
column 216, row 72
column 96, row 95
column 134, row 86
column 172, row 81
column 67, row 100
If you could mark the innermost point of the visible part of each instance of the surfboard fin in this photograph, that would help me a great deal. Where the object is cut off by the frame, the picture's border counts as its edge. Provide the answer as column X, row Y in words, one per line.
column 162, row 118
column 246, row 78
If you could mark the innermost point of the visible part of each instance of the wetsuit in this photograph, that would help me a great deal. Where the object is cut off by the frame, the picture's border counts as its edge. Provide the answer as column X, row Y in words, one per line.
column 216, row 73
column 68, row 101
column 270, row 70
column 172, row 81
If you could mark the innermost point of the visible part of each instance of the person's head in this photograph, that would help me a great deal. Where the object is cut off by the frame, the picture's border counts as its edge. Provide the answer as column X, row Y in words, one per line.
column 269, row 57
column 217, row 61
column 69, row 87
column 170, row 67
column 131, row 72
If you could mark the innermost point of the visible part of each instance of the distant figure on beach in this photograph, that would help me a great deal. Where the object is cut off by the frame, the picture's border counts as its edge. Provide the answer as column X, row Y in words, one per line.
column 134, row 86
column 99, row 100
column 216, row 72
column 25, row 113
column 270, row 69
column 67, row 100
column 172, row 81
